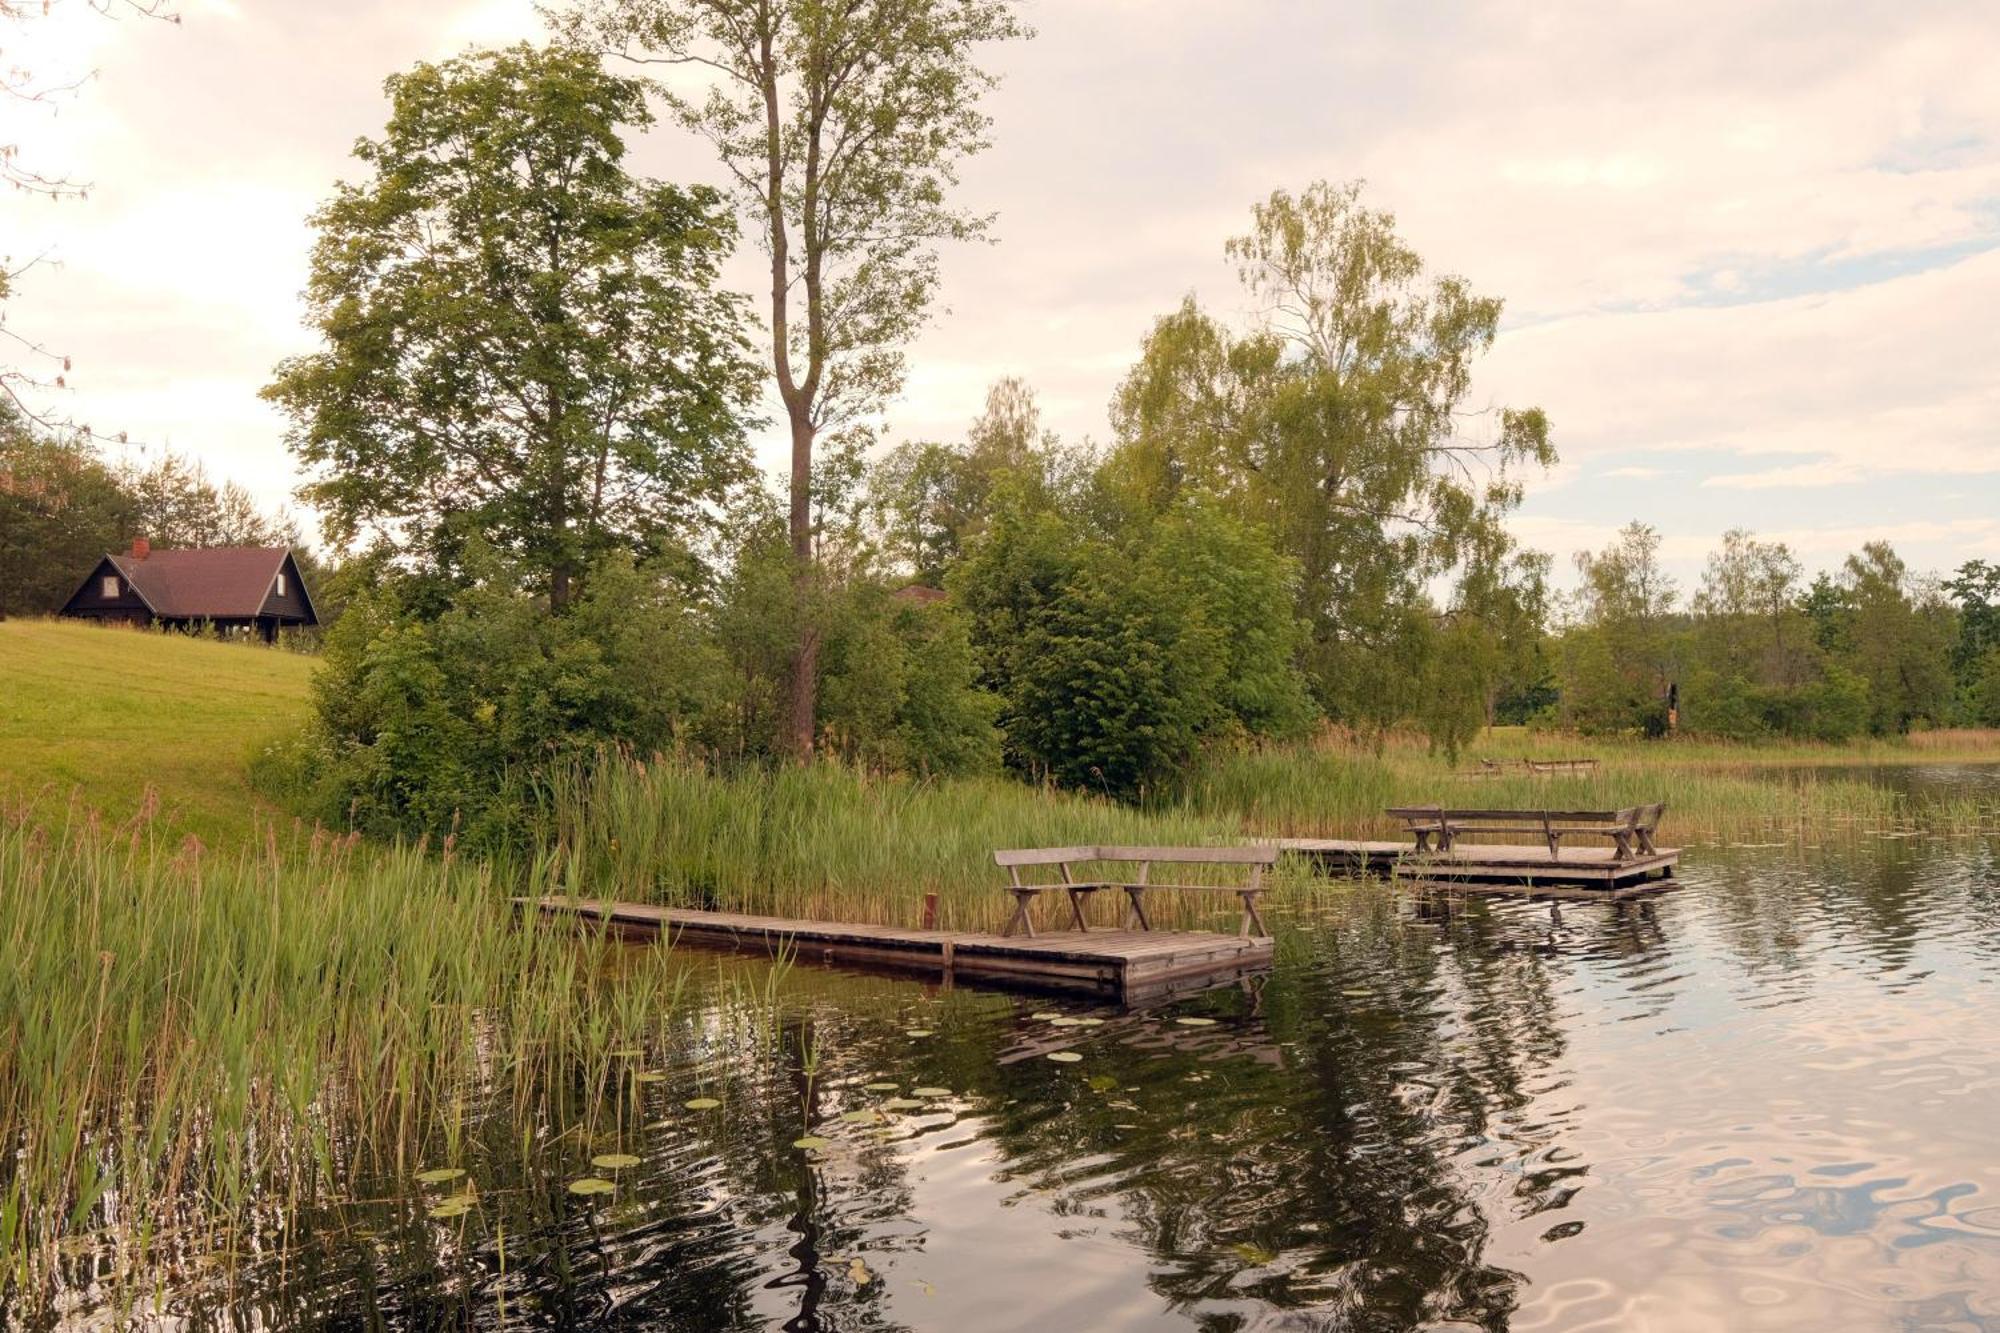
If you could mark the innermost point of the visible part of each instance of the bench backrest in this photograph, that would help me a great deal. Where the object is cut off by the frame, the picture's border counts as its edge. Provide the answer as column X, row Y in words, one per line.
column 1049, row 856
column 1433, row 813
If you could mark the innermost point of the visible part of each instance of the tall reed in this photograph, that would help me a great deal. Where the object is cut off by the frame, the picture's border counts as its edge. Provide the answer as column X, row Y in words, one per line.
column 186, row 1040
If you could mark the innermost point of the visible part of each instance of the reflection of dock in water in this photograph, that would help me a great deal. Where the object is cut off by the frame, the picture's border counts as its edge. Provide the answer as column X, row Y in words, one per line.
column 1129, row 965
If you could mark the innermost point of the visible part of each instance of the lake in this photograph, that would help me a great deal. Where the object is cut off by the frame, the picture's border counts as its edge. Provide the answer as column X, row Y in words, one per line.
column 1768, row 1100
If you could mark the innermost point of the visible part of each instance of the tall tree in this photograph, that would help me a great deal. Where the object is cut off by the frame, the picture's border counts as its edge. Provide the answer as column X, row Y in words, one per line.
column 1900, row 632
column 841, row 124
column 523, row 342
column 1749, row 602
column 60, row 510
column 1340, row 423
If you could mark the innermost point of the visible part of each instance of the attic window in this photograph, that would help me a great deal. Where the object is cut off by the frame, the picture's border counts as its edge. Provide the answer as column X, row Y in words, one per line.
column 109, row 586
column 281, row 585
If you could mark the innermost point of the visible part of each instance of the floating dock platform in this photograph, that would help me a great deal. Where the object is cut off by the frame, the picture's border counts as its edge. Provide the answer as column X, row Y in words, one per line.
column 1127, row 965
column 1594, row 868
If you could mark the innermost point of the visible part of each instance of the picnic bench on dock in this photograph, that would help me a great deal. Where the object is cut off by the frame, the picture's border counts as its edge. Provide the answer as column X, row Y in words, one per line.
column 1134, row 886
column 1630, row 829
column 1495, row 768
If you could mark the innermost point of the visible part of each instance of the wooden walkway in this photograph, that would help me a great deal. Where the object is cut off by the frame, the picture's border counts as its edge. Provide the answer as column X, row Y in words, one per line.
column 1597, row 868
column 1128, row 965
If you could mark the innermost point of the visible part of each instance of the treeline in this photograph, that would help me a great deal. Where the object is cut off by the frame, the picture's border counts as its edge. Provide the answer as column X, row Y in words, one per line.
column 63, row 507
column 530, row 410
column 1757, row 651
column 527, row 423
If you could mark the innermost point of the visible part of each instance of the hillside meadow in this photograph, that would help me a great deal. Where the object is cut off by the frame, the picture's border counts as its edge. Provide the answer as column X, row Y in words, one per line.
column 125, row 720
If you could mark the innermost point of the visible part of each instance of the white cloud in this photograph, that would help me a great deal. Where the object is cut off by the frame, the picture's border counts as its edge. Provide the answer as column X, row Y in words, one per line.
column 1703, row 218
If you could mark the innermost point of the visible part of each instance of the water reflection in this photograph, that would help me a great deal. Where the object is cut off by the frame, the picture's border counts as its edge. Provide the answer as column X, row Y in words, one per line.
column 1763, row 1101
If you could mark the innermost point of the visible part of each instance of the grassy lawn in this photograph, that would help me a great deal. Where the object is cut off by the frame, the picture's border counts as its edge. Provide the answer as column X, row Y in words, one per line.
column 102, row 715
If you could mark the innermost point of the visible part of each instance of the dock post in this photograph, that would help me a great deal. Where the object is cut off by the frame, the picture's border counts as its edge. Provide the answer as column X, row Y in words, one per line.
column 930, row 911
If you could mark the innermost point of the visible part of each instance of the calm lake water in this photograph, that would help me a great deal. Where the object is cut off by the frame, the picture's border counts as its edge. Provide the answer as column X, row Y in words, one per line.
column 1770, row 1100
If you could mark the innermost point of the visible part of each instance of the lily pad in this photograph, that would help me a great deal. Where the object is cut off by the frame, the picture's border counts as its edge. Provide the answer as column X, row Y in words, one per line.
column 858, row 1273
column 862, row 1117
column 1064, row 1057
column 902, row 1104
column 1047, row 1015
column 1196, row 1022
column 918, row 1032
column 440, row 1175
column 591, row 1185
column 456, row 1206
column 649, row 1076
column 701, row 1104
column 1103, row 1083
column 881, row 1087
column 930, row 1092
column 614, row 1161
column 812, row 1142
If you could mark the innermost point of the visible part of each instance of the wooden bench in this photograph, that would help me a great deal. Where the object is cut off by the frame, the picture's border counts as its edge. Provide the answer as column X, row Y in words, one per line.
column 1134, row 886
column 1630, row 829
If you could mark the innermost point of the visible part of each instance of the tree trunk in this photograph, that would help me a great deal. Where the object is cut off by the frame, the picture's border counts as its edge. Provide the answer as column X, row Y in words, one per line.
column 805, row 659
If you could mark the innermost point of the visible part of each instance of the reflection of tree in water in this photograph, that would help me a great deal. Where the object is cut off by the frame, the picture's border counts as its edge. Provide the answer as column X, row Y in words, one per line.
column 1345, row 1177
column 1858, row 902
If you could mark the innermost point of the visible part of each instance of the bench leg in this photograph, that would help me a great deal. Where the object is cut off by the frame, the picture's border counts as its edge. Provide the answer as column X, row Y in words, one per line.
column 1137, row 914
column 1555, row 846
column 1250, row 917
column 1020, row 917
column 1076, row 911
column 1624, row 841
column 1646, row 841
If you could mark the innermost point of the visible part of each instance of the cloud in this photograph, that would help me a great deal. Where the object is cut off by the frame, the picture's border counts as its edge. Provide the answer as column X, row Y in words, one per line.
column 1749, row 251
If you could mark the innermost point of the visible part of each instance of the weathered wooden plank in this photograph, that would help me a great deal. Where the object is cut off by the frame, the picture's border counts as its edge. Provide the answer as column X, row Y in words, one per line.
column 1095, row 962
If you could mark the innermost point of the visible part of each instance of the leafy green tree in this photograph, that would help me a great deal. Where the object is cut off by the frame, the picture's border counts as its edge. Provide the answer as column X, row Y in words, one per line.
column 1120, row 653
column 523, row 342
column 1620, row 659
column 1976, row 589
column 1749, row 605
column 60, row 510
column 1900, row 631
column 929, row 501
column 1339, row 424
column 841, row 127
column 431, row 721
column 174, row 503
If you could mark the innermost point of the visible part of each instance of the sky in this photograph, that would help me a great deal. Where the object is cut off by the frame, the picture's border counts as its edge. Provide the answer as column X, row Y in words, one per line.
column 1749, row 249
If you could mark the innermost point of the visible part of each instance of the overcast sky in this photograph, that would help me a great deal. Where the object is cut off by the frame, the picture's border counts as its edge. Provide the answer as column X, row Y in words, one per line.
column 1750, row 249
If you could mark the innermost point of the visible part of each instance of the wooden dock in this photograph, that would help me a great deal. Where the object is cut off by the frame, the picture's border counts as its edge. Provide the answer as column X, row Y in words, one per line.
column 1596, row 868
column 1128, row 965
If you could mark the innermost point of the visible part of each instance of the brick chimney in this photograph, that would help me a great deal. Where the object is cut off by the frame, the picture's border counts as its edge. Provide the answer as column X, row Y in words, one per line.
column 141, row 548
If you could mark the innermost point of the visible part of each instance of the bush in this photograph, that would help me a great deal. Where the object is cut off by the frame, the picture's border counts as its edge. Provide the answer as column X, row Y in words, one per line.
column 1119, row 655
column 435, row 721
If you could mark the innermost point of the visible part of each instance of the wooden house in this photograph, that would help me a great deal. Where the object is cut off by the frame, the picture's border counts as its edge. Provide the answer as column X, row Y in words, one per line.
column 230, row 588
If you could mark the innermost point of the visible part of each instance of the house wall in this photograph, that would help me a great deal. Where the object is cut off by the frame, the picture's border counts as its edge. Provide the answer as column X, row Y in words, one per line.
column 292, row 605
column 90, row 600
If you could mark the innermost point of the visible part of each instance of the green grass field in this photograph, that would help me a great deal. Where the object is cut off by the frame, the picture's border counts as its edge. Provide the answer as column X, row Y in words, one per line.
column 104, row 716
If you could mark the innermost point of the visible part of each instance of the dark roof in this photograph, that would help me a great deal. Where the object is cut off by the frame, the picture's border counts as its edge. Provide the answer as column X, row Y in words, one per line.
column 213, row 581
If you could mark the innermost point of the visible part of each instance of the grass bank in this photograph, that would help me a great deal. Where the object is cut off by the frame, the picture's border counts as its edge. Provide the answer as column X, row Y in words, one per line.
column 130, row 723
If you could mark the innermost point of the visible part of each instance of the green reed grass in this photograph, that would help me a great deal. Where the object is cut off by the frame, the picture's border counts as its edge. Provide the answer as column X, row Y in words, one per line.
column 1713, row 793
column 187, row 1040
column 833, row 843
